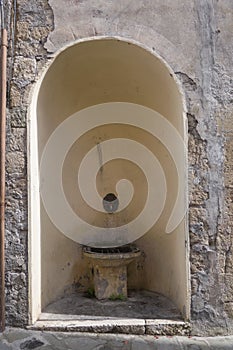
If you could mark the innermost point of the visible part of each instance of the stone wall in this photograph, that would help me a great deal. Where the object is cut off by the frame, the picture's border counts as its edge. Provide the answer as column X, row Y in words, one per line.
column 194, row 38
column 28, row 27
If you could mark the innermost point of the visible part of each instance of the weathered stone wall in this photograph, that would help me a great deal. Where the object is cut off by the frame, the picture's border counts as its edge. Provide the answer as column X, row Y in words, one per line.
column 195, row 38
column 210, row 168
column 28, row 27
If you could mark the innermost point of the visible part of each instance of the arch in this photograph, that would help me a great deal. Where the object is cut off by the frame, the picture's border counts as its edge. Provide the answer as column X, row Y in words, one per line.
column 85, row 75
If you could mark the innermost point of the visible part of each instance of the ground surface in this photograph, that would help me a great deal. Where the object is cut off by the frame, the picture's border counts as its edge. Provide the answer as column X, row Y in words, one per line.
column 140, row 305
column 19, row 339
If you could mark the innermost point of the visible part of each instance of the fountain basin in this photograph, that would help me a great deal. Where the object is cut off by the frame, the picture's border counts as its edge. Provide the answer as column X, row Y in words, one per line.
column 110, row 269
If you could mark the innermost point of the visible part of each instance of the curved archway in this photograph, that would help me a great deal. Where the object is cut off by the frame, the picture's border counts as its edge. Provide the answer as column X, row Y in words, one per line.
column 91, row 78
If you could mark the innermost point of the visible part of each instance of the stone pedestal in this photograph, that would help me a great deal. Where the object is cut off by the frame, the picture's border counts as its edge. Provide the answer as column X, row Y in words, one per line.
column 110, row 282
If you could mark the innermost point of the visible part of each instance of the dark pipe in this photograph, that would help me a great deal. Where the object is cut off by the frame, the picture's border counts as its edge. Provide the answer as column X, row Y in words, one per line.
column 2, row 175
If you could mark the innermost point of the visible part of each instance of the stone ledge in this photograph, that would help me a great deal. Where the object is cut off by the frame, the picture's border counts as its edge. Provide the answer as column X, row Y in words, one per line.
column 111, row 325
column 166, row 327
column 96, row 326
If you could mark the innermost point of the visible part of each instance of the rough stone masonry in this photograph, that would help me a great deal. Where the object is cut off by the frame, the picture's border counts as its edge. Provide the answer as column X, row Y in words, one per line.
column 195, row 38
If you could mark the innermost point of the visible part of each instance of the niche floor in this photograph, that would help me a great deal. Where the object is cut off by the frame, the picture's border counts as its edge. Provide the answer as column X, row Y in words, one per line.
column 142, row 313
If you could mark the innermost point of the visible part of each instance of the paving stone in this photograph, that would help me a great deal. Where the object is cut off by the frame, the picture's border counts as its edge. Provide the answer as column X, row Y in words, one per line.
column 4, row 346
column 31, row 344
column 87, row 344
column 16, row 339
column 15, row 334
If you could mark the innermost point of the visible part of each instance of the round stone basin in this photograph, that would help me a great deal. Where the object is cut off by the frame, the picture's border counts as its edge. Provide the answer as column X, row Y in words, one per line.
column 110, row 269
column 112, row 256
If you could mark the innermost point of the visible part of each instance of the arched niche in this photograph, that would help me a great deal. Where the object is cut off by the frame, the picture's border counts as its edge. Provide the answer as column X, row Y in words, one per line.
column 86, row 74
